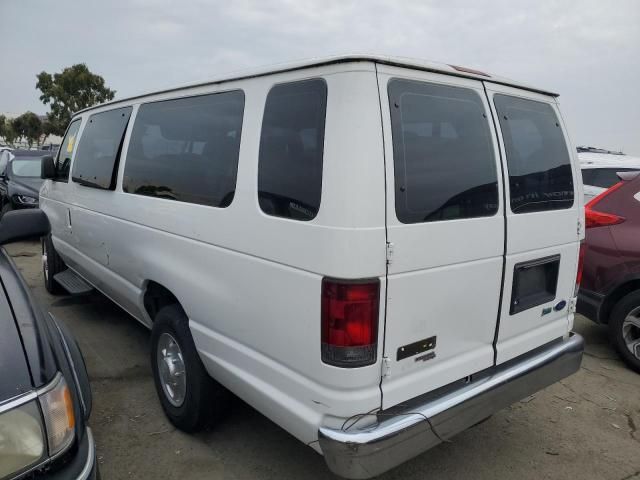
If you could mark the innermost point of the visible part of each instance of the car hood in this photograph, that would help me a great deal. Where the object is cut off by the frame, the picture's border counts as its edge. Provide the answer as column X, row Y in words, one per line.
column 14, row 371
column 29, row 184
column 27, row 359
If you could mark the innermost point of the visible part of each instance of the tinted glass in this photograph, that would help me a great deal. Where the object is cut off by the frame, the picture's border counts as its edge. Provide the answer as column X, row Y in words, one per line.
column 537, row 157
column 4, row 158
column 27, row 167
column 186, row 149
column 68, row 146
column 96, row 162
column 291, row 147
column 445, row 168
column 63, row 159
column 602, row 177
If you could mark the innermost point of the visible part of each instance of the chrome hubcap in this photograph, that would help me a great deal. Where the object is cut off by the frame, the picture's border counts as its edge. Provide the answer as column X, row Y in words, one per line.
column 171, row 369
column 631, row 332
column 45, row 265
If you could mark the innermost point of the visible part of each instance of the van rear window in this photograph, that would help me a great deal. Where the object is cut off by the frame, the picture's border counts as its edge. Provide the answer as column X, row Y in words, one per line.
column 186, row 149
column 291, row 150
column 96, row 162
column 539, row 165
column 444, row 164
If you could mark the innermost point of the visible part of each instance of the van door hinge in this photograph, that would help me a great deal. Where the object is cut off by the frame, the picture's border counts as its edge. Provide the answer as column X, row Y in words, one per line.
column 572, row 305
column 579, row 227
column 389, row 253
column 386, row 367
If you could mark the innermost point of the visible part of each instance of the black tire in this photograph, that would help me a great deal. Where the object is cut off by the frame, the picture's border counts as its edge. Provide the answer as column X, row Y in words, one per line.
column 619, row 313
column 5, row 208
column 54, row 264
column 205, row 401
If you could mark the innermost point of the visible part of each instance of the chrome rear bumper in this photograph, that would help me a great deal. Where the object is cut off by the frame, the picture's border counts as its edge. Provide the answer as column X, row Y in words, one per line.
column 402, row 433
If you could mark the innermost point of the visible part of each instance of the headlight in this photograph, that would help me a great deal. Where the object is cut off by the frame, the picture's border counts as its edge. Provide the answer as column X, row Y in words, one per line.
column 24, row 441
column 25, row 200
column 57, row 410
column 21, row 439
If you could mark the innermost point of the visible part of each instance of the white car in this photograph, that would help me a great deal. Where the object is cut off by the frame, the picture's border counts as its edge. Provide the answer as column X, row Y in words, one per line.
column 599, row 169
column 376, row 253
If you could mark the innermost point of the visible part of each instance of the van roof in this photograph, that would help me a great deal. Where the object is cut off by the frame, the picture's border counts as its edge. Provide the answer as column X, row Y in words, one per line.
column 406, row 62
column 606, row 160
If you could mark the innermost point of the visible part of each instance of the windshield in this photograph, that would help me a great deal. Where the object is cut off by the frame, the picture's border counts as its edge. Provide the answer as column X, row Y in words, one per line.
column 26, row 167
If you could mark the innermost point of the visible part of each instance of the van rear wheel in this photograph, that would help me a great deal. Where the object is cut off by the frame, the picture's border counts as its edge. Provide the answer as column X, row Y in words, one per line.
column 190, row 398
column 52, row 264
column 624, row 329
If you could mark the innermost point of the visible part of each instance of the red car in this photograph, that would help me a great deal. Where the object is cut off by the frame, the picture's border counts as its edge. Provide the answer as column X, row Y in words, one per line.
column 610, row 285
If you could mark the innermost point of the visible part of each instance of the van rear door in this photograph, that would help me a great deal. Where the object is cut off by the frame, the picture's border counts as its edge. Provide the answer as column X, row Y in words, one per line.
column 543, row 214
column 445, row 231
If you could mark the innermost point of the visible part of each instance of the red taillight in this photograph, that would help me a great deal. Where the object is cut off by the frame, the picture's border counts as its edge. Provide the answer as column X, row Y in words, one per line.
column 350, row 322
column 583, row 250
column 594, row 218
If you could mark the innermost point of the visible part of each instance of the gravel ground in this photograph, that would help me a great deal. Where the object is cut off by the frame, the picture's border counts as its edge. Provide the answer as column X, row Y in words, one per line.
column 587, row 426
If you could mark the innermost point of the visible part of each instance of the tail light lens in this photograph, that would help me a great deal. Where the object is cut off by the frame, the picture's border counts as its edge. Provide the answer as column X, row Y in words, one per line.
column 594, row 218
column 583, row 250
column 350, row 322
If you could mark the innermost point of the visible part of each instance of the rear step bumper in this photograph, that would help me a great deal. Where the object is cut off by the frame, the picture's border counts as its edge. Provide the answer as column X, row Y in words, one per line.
column 402, row 433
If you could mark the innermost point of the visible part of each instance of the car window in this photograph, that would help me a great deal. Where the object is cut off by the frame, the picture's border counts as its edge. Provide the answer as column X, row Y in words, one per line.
column 603, row 177
column 444, row 164
column 186, row 149
column 63, row 159
column 291, row 150
column 27, row 167
column 96, row 162
column 538, row 160
column 4, row 157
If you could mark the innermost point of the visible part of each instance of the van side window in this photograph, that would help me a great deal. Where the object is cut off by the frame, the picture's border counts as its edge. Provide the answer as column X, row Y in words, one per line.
column 96, row 163
column 539, row 166
column 291, row 149
column 63, row 159
column 186, row 149
column 444, row 162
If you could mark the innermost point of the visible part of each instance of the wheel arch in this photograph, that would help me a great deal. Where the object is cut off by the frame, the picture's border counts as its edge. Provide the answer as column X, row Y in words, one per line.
column 156, row 296
column 616, row 294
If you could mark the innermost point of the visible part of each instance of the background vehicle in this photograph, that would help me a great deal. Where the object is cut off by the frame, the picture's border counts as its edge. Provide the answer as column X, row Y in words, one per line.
column 600, row 167
column 45, row 398
column 20, row 180
column 610, row 287
column 256, row 224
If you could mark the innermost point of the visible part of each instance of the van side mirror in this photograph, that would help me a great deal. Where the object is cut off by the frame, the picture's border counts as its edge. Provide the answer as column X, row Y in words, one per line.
column 47, row 168
column 23, row 225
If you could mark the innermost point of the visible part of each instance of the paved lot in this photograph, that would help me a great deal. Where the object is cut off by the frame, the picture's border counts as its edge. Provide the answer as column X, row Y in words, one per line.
column 586, row 427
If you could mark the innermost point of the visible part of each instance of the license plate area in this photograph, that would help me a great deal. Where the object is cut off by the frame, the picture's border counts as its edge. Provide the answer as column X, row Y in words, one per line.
column 534, row 283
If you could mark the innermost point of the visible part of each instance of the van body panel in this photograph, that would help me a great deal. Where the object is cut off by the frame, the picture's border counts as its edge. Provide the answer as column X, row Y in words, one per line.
column 444, row 277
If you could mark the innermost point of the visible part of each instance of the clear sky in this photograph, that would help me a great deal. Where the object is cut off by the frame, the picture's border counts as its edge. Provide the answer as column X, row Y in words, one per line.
column 587, row 50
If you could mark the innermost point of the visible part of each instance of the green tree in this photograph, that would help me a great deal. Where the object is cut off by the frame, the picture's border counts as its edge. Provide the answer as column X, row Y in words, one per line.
column 75, row 88
column 28, row 126
column 7, row 133
column 3, row 126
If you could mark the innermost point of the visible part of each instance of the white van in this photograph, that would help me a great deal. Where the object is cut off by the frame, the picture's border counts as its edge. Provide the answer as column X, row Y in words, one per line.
column 375, row 253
